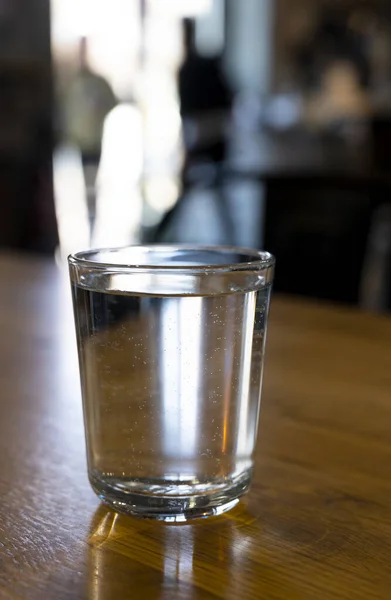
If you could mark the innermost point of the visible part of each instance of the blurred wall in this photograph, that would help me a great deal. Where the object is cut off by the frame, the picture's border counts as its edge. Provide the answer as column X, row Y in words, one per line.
column 27, row 210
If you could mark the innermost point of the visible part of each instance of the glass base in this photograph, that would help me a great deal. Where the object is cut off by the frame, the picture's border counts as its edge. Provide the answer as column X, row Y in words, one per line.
column 166, row 501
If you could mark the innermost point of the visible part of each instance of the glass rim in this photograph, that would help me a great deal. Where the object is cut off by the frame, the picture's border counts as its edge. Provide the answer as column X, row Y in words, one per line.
column 261, row 259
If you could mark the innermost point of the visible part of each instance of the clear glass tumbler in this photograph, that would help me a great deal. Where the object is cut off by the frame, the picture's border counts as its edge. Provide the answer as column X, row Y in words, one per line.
column 171, row 344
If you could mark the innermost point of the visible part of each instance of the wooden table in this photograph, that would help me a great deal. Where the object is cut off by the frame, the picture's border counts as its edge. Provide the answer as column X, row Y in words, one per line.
column 316, row 525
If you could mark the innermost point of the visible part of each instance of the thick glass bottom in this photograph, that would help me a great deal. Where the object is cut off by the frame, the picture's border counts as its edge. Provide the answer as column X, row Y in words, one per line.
column 167, row 500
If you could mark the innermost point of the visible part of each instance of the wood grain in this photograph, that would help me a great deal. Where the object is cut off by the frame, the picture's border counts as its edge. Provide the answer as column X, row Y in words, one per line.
column 316, row 525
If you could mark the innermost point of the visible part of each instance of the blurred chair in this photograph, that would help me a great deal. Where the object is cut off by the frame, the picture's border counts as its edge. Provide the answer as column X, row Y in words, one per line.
column 318, row 230
column 227, row 211
column 381, row 142
column 330, row 238
column 375, row 291
column 201, row 216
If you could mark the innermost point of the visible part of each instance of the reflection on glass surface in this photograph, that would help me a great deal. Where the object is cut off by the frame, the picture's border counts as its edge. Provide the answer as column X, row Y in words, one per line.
column 244, row 391
column 181, row 328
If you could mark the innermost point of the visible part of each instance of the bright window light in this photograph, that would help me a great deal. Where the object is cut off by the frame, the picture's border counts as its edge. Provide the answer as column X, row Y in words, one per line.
column 182, row 8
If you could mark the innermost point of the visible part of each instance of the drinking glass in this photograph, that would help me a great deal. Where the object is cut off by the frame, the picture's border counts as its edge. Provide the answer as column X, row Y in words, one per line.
column 171, row 343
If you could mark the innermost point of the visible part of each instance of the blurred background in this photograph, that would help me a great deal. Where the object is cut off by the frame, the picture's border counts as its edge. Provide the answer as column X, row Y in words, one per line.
column 261, row 123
